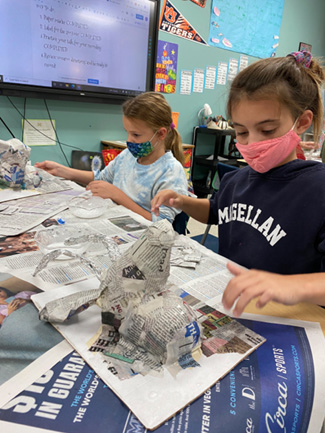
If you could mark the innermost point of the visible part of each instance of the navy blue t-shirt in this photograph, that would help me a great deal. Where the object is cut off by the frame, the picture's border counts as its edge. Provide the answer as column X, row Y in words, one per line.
column 273, row 221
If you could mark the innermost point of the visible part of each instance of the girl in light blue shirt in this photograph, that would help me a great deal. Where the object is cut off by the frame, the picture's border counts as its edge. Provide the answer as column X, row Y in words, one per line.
column 153, row 160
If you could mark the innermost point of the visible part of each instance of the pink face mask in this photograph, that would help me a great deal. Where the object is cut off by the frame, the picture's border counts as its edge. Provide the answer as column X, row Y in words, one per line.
column 264, row 155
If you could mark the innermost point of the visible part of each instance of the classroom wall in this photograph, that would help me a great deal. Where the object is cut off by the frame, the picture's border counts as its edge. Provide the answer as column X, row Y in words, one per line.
column 83, row 125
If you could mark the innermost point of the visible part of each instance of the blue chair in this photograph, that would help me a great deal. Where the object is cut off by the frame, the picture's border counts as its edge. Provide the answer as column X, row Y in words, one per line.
column 180, row 223
column 222, row 169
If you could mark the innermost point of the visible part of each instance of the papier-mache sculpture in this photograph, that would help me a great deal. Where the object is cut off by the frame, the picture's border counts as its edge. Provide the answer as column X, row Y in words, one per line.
column 153, row 325
column 14, row 156
column 144, row 324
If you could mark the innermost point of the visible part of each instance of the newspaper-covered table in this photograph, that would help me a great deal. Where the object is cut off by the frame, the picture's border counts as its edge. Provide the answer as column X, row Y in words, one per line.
column 18, row 216
column 125, row 227
column 23, row 209
column 48, row 184
column 20, row 255
column 68, row 397
column 206, row 282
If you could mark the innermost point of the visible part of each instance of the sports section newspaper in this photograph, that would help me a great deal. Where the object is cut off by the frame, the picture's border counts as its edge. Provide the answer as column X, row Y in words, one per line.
column 273, row 390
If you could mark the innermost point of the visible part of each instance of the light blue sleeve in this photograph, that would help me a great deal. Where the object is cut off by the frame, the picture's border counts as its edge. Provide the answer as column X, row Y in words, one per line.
column 174, row 178
column 107, row 173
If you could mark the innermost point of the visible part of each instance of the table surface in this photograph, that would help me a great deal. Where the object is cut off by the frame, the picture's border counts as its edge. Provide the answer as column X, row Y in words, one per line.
column 302, row 311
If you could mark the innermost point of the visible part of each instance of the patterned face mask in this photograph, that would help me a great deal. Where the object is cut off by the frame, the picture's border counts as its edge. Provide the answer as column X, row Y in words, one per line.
column 139, row 150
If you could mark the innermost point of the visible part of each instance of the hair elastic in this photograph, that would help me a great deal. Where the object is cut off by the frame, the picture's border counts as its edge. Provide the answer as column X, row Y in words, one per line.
column 303, row 57
column 172, row 126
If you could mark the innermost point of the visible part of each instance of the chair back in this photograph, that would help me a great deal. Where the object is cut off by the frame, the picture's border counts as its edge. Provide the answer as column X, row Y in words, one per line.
column 222, row 169
column 180, row 223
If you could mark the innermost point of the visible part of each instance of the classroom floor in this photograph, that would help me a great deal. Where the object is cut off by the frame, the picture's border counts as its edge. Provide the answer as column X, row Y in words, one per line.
column 196, row 228
column 196, row 231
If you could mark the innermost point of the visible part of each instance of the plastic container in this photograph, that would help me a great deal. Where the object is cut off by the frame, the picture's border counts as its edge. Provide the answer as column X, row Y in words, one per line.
column 88, row 206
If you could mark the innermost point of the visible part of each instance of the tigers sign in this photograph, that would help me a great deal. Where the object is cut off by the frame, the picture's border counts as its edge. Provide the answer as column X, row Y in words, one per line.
column 172, row 21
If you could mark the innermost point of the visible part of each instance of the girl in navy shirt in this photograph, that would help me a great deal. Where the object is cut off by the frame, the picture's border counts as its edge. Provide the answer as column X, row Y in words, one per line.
column 270, row 214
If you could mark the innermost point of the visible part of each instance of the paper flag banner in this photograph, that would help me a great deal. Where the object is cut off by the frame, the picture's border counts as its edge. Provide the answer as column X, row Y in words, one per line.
column 172, row 21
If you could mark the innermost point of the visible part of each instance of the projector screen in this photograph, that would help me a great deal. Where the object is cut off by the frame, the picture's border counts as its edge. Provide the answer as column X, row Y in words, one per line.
column 78, row 49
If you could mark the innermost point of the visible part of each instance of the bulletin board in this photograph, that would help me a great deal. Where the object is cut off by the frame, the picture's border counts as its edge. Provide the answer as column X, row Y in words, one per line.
column 246, row 26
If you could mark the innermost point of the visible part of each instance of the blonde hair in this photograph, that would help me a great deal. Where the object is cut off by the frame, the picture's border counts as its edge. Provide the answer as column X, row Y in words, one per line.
column 291, row 82
column 152, row 108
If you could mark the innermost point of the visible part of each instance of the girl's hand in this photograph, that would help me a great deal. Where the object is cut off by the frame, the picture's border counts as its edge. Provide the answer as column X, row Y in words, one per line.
column 51, row 167
column 103, row 189
column 249, row 284
column 166, row 197
column 15, row 304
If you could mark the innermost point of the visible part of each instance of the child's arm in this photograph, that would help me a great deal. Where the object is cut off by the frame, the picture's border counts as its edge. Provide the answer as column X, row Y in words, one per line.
column 104, row 189
column 197, row 208
column 56, row 169
column 286, row 289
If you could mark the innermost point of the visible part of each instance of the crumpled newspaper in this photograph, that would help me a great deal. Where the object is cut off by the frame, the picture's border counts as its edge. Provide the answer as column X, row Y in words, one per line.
column 14, row 156
column 183, row 254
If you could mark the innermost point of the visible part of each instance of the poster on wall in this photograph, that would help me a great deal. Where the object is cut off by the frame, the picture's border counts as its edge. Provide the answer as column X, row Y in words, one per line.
column 173, row 22
column 198, row 80
column 248, row 27
column 210, row 77
column 232, row 69
column 186, row 82
column 222, row 73
column 166, row 67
